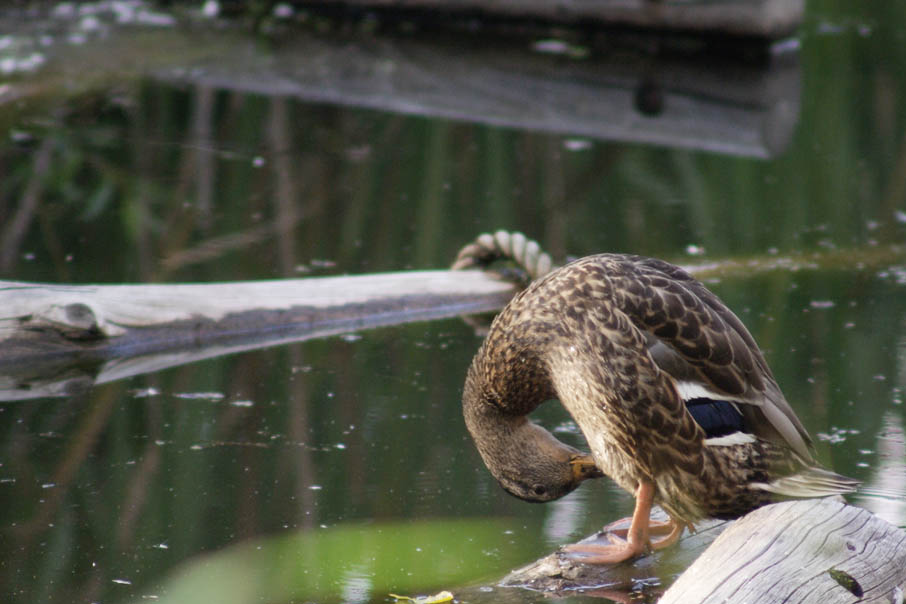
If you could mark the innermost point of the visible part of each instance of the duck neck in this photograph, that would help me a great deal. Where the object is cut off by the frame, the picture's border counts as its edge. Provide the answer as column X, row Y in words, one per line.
column 497, row 418
column 488, row 417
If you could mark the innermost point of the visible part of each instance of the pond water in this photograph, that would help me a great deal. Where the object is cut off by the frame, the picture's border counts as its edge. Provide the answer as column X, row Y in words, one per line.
column 339, row 469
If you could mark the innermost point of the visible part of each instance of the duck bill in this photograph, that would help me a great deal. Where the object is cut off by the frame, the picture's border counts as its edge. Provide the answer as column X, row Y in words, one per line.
column 584, row 467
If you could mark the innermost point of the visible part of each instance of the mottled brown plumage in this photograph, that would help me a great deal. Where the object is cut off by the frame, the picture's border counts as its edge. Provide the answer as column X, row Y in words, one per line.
column 624, row 343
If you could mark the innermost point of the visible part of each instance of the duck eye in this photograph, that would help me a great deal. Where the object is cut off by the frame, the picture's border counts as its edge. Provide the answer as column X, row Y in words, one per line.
column 539, row 489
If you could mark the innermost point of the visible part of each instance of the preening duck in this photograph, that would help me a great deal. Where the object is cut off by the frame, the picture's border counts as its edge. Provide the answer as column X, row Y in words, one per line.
column 671, row 392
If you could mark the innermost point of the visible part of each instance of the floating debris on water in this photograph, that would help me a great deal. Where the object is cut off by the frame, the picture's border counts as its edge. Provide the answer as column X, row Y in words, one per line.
column 27, row 63
column 210, row 9
column 322, row 263
column 695, row 250
column 822, row 304
column 208, row 396
column 576, row 144
column 566, row 427
column 444, row 596
column 283, row 10
column 836, row 435
column 552, row 46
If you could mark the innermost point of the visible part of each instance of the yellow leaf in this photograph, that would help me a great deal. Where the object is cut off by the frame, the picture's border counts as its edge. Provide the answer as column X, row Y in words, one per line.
column 444, row 596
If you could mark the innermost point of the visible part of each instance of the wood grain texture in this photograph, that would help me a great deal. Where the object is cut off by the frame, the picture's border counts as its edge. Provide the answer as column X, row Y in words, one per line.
column 57, row 338
column 804, row 551
column 112, row 309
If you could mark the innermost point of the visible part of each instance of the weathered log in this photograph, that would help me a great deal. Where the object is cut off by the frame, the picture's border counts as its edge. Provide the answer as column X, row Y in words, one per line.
column 804, row 551
column 799, row 551
column 57, row 337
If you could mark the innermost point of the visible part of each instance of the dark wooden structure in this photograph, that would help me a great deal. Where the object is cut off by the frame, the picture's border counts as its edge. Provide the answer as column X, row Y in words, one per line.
column 767, row 18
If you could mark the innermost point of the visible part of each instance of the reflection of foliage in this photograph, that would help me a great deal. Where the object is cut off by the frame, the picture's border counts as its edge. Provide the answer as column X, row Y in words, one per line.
column 352, row 562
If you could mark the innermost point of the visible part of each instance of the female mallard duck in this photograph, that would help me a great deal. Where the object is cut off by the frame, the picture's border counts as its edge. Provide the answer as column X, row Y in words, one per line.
column 670, row 390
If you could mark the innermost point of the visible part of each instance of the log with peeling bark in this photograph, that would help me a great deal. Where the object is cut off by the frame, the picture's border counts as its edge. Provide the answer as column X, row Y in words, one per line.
column 793, row 552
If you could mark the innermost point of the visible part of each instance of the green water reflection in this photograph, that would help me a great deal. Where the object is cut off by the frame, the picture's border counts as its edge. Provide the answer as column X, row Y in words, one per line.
column 333, row 447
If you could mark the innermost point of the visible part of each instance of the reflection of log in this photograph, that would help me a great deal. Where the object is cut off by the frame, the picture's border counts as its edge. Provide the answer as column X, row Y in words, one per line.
column 770, row 18
column 799, row 551
column 729, row 107
column 113, row 331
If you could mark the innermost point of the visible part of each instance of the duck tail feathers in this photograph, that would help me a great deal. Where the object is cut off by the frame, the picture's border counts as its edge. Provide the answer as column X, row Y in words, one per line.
column 810, row 482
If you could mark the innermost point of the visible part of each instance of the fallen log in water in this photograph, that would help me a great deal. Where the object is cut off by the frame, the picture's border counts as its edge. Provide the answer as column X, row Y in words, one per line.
column 798, row 552
column 794, row 552
column 109, row 332
column 55, row 338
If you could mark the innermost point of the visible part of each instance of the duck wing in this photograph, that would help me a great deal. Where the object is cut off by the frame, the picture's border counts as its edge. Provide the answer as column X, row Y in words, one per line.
column 706, row 349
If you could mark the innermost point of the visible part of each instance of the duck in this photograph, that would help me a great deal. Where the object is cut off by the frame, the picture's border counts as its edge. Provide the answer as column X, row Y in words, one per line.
column 670, row 390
